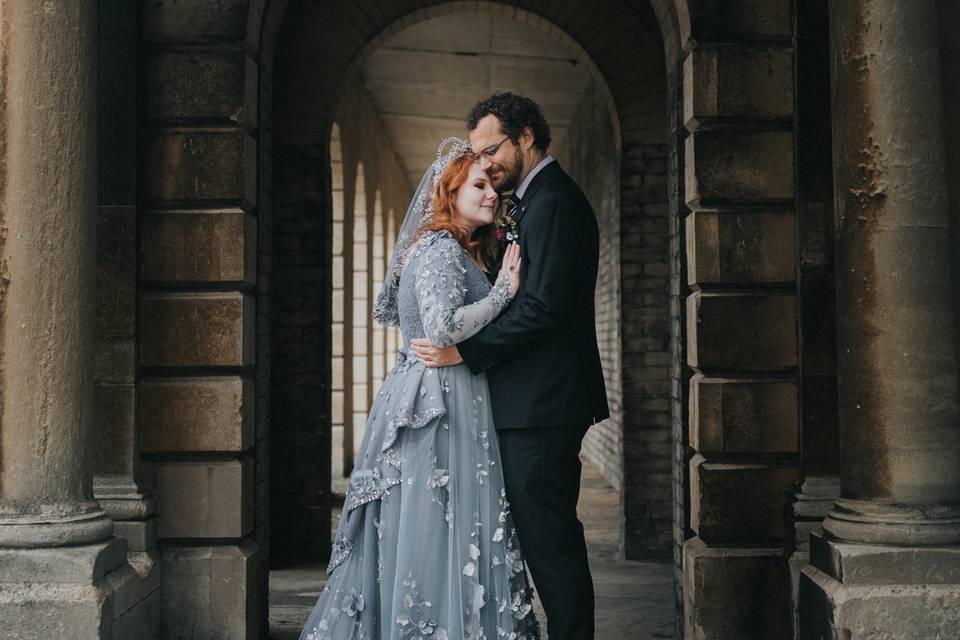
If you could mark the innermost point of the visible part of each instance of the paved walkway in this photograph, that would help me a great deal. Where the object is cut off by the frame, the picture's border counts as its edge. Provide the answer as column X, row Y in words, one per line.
column 634, row 599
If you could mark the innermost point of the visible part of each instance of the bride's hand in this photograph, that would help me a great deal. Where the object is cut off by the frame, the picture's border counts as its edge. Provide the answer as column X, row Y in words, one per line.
column 510, row 268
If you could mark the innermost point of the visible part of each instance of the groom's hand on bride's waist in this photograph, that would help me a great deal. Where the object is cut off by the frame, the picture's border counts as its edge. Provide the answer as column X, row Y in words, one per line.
column 434, row 356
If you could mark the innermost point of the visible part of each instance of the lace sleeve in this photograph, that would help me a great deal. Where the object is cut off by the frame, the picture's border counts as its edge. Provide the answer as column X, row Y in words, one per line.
column 439, row 285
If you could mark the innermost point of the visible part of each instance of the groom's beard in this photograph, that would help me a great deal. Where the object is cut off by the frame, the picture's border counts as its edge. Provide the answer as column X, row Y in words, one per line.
column 511, row 174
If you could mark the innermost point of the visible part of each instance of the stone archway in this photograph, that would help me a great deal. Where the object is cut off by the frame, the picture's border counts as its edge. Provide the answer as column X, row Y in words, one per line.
column 734, row 150
column 642, row 126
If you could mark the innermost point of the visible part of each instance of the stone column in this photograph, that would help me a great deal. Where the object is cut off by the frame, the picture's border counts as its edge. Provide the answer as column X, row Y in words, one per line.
column 897, row 371
column 48, row 274
column 899, row 417
column 60, row 567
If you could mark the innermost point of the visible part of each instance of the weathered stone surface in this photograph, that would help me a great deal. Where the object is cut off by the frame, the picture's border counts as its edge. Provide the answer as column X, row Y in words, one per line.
column 68, row 592
column 737, row 82
column 47, row 277
column 114, row 360
column 196, row 84
column 199, row 246
column 737, row 502
column 114, row 451
column 141, row 535
column 725, row 167
column 733, row 594
column 191, row 165
column 732, row 247
column 713, row 20
column 860, row 564
column 205, row 499
column 116, row 302
column 61, row 565
column 211, row 593
column 833, row 611
column 195, row 20
column 742, row 331
column 197, row 329
column 743, row 415
column 197, row 414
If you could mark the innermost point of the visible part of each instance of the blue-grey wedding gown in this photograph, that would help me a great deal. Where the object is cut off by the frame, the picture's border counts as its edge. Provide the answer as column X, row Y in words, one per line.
column 426, row 547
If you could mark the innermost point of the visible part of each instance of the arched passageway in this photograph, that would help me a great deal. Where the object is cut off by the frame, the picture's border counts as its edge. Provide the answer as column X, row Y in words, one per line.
column 395, row 104
column 207, row 377
column 720, row 150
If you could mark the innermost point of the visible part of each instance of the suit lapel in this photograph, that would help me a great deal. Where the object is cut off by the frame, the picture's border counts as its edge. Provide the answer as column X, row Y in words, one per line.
column 534, row 186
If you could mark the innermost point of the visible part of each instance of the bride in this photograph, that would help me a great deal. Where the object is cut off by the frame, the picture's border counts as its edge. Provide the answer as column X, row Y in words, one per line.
column 426, row 546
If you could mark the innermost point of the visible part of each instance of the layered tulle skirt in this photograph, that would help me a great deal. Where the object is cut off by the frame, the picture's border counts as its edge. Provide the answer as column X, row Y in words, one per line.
column 426, row 547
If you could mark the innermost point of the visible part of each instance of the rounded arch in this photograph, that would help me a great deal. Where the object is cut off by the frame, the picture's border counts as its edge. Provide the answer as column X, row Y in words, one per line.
column 631, row 49
column 336, row 42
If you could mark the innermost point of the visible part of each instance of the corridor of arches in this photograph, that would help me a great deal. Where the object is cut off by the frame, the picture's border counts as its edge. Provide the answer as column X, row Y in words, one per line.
column 277, row 144
column 396, row 102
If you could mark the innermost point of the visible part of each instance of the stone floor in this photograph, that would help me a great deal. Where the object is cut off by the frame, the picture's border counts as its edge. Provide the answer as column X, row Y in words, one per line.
column 634, row 599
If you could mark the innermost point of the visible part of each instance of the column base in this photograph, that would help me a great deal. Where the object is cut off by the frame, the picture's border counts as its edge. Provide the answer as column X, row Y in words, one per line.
column 872, row 522
column 860, row 592
column 811, row 505
column 122, row 499
column 86, row 525
column 84, row 593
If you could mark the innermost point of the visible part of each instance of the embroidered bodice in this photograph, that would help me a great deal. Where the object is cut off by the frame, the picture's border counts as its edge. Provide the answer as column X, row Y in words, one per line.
column 443, row 295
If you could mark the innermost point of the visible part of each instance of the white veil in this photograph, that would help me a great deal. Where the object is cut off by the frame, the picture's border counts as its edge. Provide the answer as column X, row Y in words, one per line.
column 419, row 213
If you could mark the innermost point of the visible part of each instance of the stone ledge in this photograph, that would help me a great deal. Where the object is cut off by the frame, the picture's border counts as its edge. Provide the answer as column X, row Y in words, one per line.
column 63, row 565
column 863, row 564
column 866, row 612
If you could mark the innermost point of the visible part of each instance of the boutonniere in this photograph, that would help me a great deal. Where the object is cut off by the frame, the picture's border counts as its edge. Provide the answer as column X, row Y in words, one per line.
column 507, row 230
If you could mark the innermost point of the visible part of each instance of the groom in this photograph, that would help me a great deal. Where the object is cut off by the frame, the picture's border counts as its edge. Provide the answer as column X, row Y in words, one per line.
column 540, row 355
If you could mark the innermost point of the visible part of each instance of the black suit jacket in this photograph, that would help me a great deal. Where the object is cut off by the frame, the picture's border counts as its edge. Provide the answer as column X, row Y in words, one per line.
column 541, row 355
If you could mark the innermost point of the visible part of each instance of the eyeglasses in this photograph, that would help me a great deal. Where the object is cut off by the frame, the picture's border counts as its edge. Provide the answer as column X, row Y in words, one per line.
column 489, row 152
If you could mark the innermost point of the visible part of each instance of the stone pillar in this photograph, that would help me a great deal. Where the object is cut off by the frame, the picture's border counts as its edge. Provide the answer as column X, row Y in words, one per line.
column 56, row 544
column 741, row 318
column 197, row 339
column 48, row 263
column 888, row 562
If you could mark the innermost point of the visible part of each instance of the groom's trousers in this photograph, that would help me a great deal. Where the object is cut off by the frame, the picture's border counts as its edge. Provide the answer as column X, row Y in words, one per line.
column 541, row 469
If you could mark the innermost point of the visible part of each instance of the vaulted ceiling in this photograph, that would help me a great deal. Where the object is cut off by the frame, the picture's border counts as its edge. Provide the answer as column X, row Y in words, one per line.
column 426, row 78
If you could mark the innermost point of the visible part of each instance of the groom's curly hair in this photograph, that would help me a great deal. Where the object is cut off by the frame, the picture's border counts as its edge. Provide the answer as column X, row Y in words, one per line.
column 514, row 113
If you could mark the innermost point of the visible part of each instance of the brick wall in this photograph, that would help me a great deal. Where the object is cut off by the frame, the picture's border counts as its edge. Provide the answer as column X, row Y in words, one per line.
column 632, row 448
column 594, row 162
column 316, row 193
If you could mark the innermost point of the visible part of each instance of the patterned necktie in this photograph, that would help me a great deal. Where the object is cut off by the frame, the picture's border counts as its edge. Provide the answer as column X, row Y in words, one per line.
column 513, row 204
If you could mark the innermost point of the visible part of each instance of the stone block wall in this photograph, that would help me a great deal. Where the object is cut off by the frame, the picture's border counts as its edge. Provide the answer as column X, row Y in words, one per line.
column 742, row 341
column 618, row 155
column 197, row 315
column 322, row 335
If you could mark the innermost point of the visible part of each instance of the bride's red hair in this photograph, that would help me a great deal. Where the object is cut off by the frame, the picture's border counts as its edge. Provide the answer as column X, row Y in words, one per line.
column 483, row 244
